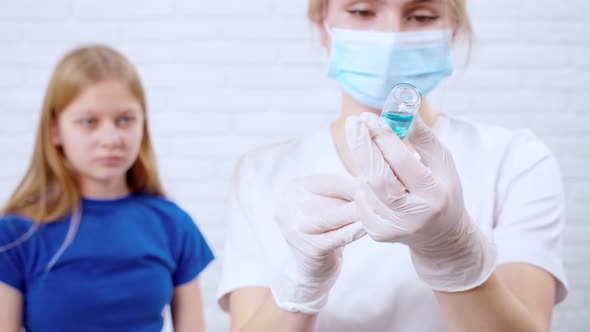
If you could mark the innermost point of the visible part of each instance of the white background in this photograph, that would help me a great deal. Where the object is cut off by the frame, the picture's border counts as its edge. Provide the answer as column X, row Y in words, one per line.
column 225, row 76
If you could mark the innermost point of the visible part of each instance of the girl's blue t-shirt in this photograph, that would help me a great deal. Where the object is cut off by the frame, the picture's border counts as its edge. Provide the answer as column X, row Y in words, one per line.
column 118, row 273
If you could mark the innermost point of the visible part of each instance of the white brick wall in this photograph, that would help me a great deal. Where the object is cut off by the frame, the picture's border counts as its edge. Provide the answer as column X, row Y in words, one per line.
column 219, row 73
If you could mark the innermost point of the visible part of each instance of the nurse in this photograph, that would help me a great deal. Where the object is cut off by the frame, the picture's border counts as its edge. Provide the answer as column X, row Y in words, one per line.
column 345, row 230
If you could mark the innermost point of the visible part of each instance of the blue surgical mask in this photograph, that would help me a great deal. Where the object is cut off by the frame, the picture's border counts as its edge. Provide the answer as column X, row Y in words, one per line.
column 368, row 64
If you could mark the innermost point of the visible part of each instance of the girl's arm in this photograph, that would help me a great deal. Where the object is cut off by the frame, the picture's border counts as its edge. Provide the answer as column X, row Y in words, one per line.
column 11, row 306
column 187, row 308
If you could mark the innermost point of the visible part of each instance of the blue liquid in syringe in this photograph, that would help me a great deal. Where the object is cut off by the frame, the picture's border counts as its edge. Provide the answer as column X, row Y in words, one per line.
column 400, row 123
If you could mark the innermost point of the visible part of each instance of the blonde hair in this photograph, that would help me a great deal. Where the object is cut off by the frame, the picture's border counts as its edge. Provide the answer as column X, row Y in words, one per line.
column 316, row 12
column 49, row 190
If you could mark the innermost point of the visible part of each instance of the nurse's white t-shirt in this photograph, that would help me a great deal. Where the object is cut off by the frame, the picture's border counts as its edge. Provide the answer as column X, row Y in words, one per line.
column 513, row 192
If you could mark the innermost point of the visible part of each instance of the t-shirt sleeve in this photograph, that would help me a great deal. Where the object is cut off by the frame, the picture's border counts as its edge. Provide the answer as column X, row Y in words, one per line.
column 193, row 252
column 242, row 261
column 13, row 235
column 530, row 210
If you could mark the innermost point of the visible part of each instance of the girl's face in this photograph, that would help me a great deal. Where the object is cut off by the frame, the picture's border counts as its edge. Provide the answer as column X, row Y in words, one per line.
column 389, row 15
column 100, row 133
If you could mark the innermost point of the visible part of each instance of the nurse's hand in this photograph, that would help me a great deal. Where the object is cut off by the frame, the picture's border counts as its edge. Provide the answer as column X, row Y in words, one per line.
column 417, row 203
column 317, row 217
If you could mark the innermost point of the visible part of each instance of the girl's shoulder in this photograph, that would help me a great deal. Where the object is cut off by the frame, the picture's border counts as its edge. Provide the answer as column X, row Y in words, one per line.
column 15, row 219
column 160, row 203
column 14, row 227
column 15, row 222
column 165, row 208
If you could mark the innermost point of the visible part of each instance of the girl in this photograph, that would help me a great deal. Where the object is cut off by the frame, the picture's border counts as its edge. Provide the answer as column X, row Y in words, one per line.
column 88, row 240
column 345, row 230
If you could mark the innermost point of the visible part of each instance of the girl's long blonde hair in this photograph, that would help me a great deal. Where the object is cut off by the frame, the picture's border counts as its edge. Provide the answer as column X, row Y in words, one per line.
column 49, row 190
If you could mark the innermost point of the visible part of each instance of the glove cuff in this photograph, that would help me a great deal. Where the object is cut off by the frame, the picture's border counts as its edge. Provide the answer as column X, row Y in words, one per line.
column 295, row 292
column 458, row 261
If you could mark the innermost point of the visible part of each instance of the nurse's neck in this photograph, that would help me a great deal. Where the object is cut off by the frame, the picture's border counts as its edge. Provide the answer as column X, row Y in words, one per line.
column 351, row 107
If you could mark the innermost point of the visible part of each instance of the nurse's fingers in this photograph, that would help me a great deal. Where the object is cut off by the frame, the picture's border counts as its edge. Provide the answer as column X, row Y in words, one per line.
column 433, row 153
column 325, row 220
column 381, row 222
column 344, row 236
column 331, row 186
column 368, row 160
column 373, row 168
column 413, row 174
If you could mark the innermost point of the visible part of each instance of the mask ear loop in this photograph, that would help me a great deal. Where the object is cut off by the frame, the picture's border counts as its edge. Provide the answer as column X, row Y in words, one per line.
column 330, row 34
column 327, row 27
column 72, row 230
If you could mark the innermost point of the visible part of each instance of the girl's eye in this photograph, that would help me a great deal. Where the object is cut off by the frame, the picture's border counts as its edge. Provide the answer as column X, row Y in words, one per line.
column 125, row 120
column 88, row 122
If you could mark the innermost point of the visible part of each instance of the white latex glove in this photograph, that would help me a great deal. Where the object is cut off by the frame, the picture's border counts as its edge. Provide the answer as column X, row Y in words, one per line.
column 418, row 203
column 317, row 218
